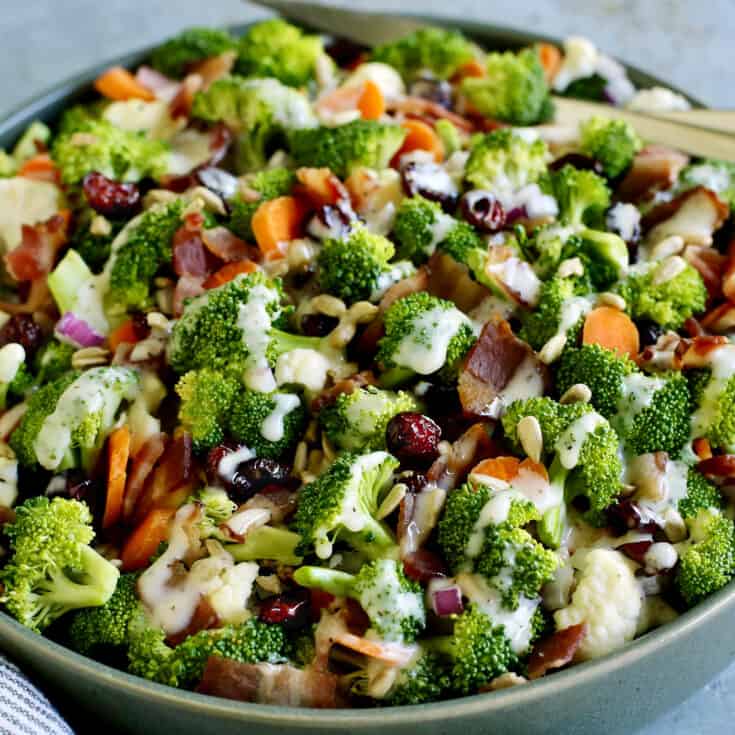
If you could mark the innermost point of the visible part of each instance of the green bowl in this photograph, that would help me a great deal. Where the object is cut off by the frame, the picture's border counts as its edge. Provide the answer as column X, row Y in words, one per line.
column 615, row 694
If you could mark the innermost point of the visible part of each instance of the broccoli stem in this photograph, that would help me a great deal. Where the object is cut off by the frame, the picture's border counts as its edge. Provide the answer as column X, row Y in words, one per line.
column 374, row 540
column 551, row 527
column 339, row 584
column 267, row 542
column 98, row 579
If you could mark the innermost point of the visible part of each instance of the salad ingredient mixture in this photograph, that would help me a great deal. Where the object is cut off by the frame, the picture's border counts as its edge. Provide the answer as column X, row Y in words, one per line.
column 343, row 377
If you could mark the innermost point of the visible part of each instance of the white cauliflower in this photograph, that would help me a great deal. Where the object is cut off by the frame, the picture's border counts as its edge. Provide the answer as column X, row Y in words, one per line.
column 608, row 599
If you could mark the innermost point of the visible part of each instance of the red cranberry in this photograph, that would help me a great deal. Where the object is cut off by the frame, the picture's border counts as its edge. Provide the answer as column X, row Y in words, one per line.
column 251, row 476
column 413, row 438
column 318, row 325
column 332, row 220
column 423, row 565
column 140, row 325
column 111, row 198
column 627, row 516
column 482, row 210
column 22, row 328
column 292, row 610
column 345, row 52
column 415, row 482
column 648, row 331
column 432, row 182
column 636, row 550
column 430, row 88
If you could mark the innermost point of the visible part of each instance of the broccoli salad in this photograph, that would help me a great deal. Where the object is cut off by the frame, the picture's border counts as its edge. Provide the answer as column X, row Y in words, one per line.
column 343, row 377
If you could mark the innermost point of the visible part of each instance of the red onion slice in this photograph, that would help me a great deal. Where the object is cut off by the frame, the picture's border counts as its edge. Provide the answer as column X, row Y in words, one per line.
column 70, row 328
column 447, row 601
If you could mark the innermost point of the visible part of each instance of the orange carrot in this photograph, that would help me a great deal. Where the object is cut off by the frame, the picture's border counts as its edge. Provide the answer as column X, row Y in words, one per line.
column 118, row 452
column 342, row 99
column 227, row 272
column 124, row 333
column 275, row 222
column 473, row 68
column 503, row 468
column 702, row 448
column 119, row 84
column 41, row 168
column 550, row 58
column 320, row 186
column 145, row 539
column 612, row 329
column 371, row 103
column 421, row 136
column 536, row 467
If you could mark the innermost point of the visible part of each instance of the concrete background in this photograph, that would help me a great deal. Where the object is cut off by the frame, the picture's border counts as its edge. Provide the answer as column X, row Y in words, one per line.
column 690, row 44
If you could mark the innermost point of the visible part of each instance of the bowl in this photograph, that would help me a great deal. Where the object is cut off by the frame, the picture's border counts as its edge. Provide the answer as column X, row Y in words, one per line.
column 615, row 694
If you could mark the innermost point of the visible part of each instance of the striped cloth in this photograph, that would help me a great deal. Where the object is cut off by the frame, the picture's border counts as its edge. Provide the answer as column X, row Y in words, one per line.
column 23, row 709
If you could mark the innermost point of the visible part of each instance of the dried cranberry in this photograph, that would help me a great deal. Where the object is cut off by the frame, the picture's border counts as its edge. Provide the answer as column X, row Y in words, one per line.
column 627, row 516
column 111, row 198
column 221, row 182
column 430, row 88
column 318, row 325
column 292, row 610
column 422, row 565
column 140, row 325
column 415, row 482
column 648, row 331
column 214, row 457
column 482, row 210
column 22, row 328
column 255, row 474
column 345, row 52
column 636, row 550
column 413, row 438
column 332, row 220
column 578, row 160
column 431, row 181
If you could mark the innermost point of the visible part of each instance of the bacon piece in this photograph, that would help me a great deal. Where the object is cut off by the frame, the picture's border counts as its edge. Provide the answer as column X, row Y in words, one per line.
column 695, row 353
column 556, row 651
column 38, row 300
column 654, row 168
column 187, row 287
column 204, row 618
column 280, row 684
column 35, row 256
column 279, row 501
column 720, row 320
column 491, row 365
column 348, row 385
column 227, row 246
column 190, row 257
column 451, row 280
column 432, row 111
column 321, row 186
column 181, row 104
column 450, row 469
column 142, row 465
column 712, row 266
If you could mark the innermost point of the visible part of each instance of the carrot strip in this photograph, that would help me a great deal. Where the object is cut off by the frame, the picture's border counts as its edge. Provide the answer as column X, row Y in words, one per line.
column 611, row 329
column 503, row 468
column 124, row 333
column 473, row 68
column 143, row 542
column 371, row 103
column 550, row 58
column 421, row 136
column 118, row 453
column 227, row 272
column 119, row 84
column 40, row 168
column 275, row 223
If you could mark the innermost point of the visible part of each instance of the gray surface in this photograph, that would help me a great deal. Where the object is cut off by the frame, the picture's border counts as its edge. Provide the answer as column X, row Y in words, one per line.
column 46, row 41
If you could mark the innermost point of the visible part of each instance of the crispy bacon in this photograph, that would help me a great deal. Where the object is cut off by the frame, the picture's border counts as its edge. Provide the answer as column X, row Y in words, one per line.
column 180, row 105
column 450, row 469
column 427, row 109
column 654, row 168
column 279, row 501
column 227, row 246
column 348, row 385
column 35, row 256
column 280, row 684
column 38, row 299
column 710, row 263
column 721, row 320
column 143, row 463
column 449, row 279
column 187, row 287
column 556, row 651
column 190, row 257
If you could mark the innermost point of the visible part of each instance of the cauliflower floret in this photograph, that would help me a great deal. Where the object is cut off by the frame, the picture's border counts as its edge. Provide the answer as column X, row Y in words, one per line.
column 231, row 599
column 608, row 599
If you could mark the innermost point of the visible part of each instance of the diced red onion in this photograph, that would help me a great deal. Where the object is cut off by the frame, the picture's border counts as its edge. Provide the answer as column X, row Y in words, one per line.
column 515, row 214
column 447, row 601
column 70, row 328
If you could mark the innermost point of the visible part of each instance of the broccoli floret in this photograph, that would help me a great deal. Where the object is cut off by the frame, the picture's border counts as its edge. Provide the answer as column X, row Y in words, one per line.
column 174, row 57
column 267, row 542
column 94, row 248
column 583, row 196
column 423, row 335
column 351, row 267
column 719, row 176
column 707, row 559
column 514, row 89
column 457, row 534
column 701, row 495
column 68, row 420
column 269, row 423
column 52, row 568
column 278, row 49
column 504, row 161
column 52, row 361
column 437, row 50
column 590, row 88
column 393, row 603
column 613, row 143
column 146, row 246
column 714, row 417
column 206, row 396
column 344, row 148
column 267, row 184
column 21, row 383
column 260, row 111
column 563, row 303
column 450, row 136
column 97, row 145
column 300, row 647
column 548, row 246
column 357, row 420
column 35, row 135
column 669, row 303
column 97, row 629
column 341, row 505
column 605, row 257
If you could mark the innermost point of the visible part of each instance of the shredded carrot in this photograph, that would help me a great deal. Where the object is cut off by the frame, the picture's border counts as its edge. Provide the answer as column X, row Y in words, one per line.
column 473, row 68
column 144, row 541
column 124, row 333
column 227, row 272
column 40, row 168
column 275, row 223
column 612, row 329
column 502, row 468
column 421, row 136
column 118, row 453
column 119, row 84
column 550, row 58
column 371, row 103
column 702, row 448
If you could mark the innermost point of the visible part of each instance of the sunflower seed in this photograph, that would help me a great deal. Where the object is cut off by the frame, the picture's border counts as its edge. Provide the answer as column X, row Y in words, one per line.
column 577, row 393
column 90, row 357
column 530, row 437
column 552, row 350
column 392, row 500
column 669, row 269
column 612, row 299
column 570, row 267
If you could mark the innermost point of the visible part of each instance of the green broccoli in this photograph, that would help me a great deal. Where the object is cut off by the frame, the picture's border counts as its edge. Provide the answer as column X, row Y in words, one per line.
column 94, row 247
column 143, row 247
column 17, row 378
column 590, row 88
column 613, row 143
column 52, row 569
column 35, row 135
column 668, row 302
column 513, row 90
column 260, row 111
column 423, row 680
column 701, row 495
column 69, row 419
column 707, row 559
column 52, row 361
column 424, row 335
column 357, row 420
column 351, row 267
column 269, row 423
column 177, row 55
column 268, row 184
column 548, row 246
column 341, row 505
column 206, row 398
column 450, row 136
column 604, row 255
column 714, row 415
column 97, row 629
column 97, row 145
column 275, row 48
column 504, row 161
column 393, row 603
column 719, row 176
column 436, row 50
column 344, row 148
column 583, row 196
column 268, row 542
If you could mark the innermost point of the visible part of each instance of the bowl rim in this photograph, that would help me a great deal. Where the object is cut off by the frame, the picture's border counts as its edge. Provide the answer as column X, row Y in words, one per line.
column 451, row 709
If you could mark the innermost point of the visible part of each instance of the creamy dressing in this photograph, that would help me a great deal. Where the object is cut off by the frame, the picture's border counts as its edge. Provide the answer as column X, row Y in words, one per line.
column 140, row 116
column 625, row 219
column 254, row 320
column 228, row 464
column 518, row 278
column 722, row 363
column 24, row 201
column 494, row 512
column 12, row 356
column 273, row 427
column 388, row 278
column 711, row 176
column 424, row 348
column 526, row 382
column 531, row 200
column 658, row 99
column 9, row 481
column 289, row 108
column 636, row 396
column 570, row 443
column 310, row 368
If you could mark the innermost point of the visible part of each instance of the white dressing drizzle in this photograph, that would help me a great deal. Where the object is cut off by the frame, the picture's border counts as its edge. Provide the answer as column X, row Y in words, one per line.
column 570, row 443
